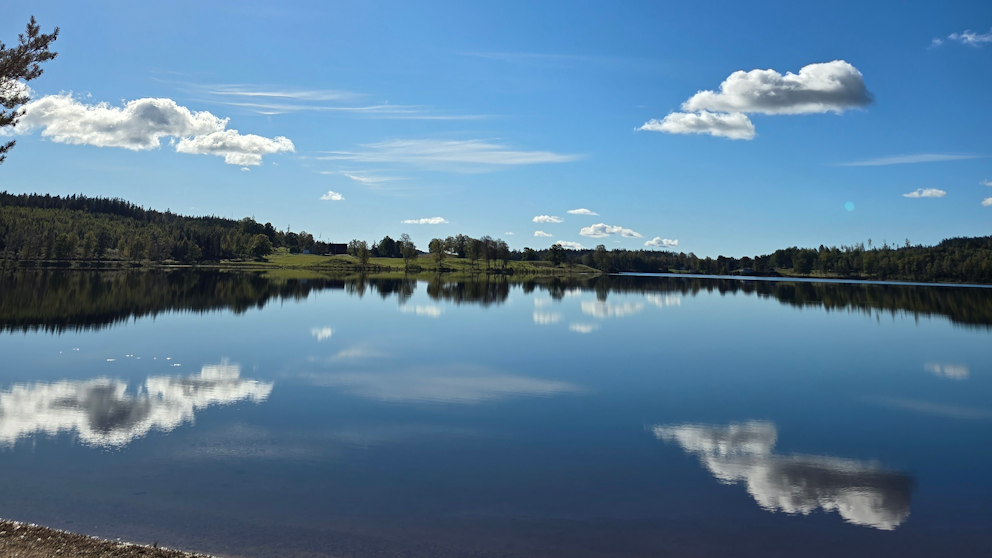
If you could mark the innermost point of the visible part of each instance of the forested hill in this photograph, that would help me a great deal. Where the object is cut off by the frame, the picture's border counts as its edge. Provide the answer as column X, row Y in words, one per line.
column 45, row 227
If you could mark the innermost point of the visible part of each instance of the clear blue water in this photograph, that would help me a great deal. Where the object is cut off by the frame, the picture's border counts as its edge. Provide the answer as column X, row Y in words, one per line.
column 652, row 417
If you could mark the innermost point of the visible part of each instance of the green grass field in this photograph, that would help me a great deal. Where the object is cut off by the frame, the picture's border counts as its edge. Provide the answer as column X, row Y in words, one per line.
column 282, row 259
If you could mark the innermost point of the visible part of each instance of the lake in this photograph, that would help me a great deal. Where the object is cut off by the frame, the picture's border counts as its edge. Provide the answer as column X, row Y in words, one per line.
column 240, row 414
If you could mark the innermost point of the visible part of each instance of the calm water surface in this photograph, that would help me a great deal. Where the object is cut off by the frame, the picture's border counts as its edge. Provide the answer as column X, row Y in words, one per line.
column 623, row 416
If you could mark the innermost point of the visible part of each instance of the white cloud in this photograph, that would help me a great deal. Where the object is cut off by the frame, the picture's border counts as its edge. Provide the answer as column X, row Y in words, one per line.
column 936, row 42
column 462, row 384
column 971, row 38
column 426, row 221
column 548, row 219
column 910, row 159
column 569, row 245
column 542, row 233
column 331, row 195
column 926, row 193
column 141, row 124
column 321, row 333
column 987, row 202
column 733, row 126
column 235, row 148
column 279, row 93
column 546, row 318
column 952, row 371
column 601, row 230
column 603, row 309
column 468, row 152
column 102, row 413
column 862, row 493
column 582, row 211
column 583, row 328
column 508, row 233
column 825, row 87
column 986, row 182
column 355, row 353
column 367, row 179
column 928, row 408
column 659, row 242
column 427, row 310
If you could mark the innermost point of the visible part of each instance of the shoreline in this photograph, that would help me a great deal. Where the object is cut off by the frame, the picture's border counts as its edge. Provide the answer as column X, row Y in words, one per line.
column 28, row 540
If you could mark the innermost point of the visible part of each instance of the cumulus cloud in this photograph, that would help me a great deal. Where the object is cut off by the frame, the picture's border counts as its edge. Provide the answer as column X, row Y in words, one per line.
column 103, row 414
column 826, row 87
column 331, row 195
column 548, row 219
column 433, row 152
column 952, row 371
column 141, row 124
column 986, row 183
column 426, row 221
column 926, row 193
column 569, row 245
column 659, row 242
column 321, row 333
column 602, row 230
column 971, row 38
column 987, row 202
column 582, row 211
column 733, row 126
column 542, row 233
column 818, row 88
column 862, row 493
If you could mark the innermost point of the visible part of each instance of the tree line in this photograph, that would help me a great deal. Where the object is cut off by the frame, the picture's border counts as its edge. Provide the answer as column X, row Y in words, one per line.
column 44, row 227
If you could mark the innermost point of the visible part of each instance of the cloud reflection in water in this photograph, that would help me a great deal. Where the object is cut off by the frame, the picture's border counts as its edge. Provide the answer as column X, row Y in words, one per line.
column 103, row 414
column 862, row 493
column 448, row 384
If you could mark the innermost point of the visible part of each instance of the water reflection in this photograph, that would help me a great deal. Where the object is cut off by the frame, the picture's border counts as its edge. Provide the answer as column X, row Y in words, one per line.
column 945, row 370
column 862, row 493
column 102, row 413
column 445, row 384
column 73, row 300
column 603, row 309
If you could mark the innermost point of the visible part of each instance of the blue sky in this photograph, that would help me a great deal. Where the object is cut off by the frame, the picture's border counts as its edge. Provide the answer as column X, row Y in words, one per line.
column 488, row 115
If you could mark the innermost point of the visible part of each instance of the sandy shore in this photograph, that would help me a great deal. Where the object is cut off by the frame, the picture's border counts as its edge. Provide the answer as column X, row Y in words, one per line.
column 24, row 540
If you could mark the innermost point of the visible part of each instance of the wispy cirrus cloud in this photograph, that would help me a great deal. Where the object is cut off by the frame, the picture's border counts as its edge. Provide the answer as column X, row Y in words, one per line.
column 971, row 38
column 926, row 193
column 426, row 221
column 369, row 179
column 835, row 86
column 910, row 159
column 279, row 92
column 547, row 219
column 471, row 154
column 602, row 230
